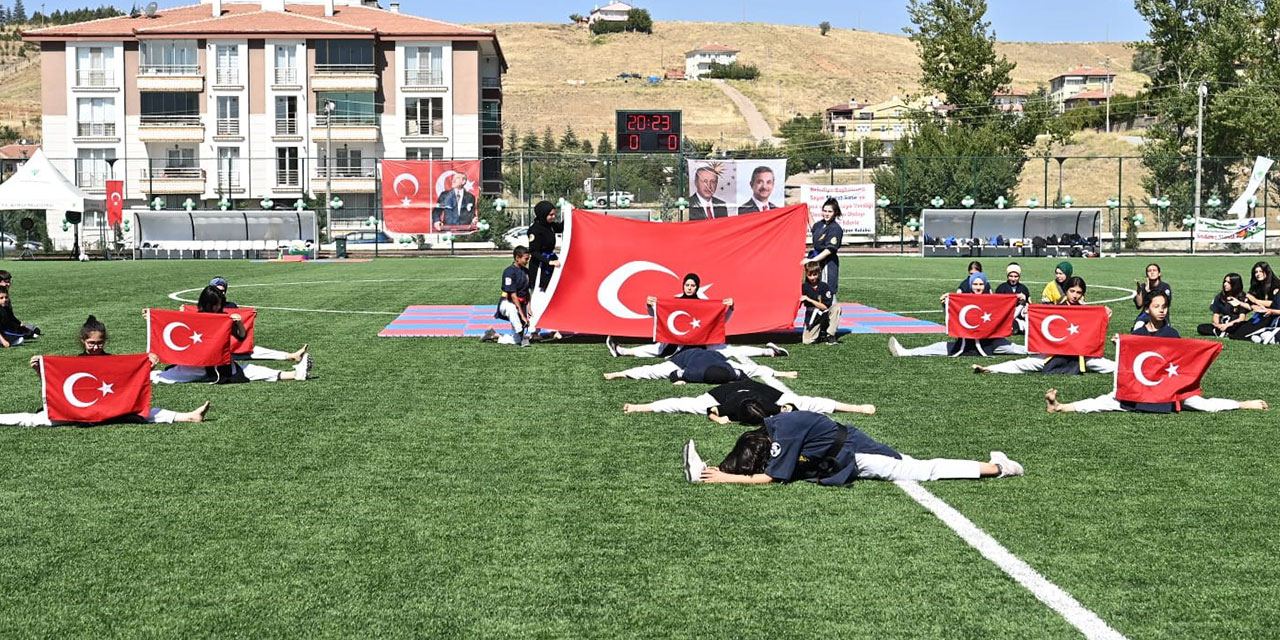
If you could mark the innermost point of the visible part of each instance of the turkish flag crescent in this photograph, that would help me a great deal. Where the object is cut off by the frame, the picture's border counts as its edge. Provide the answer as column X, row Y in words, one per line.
column 687, row 321
column 1162, row 369
column 980, row 315
column 1066, row 330
column 248, row 317
column 194, row 339
column 95, row 388
column 610, row 265
column 115, row 202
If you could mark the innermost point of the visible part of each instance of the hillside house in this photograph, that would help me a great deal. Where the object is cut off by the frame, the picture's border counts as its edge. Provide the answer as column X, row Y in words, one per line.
column 13, row 155
column 887, row 121
column 612, row 12
column 1078, row 80
column 697, row 62
column 1011, row 99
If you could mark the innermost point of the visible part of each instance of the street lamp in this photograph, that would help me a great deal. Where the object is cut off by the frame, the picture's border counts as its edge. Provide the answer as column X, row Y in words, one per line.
column 329, row 108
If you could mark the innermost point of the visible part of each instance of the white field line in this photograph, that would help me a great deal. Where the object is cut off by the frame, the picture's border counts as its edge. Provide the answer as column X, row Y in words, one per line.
column 1130, row 294
column 177, row 295
column 1084, row 620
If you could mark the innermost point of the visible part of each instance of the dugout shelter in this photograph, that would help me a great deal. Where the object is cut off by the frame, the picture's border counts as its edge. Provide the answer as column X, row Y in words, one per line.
column 222, row 234
column 1010, row 232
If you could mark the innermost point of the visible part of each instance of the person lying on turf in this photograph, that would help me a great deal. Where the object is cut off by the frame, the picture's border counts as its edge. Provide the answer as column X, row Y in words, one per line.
column 802, row 445
column 1057, row 365
column 723, row 404
column 962, row 346
column 1157, row 324
column 698, row 364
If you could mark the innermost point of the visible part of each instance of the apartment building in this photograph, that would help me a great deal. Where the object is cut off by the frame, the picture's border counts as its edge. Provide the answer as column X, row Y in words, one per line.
column 240, row 99
column 1078, row 80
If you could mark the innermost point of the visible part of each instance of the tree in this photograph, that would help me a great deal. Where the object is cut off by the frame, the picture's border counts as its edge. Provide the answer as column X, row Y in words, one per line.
column 569, row 141
column 587, row 148
column 638, row 20
column 576, row 18
column 530, row 142
column 958, row 56
column 824, row 27
column 19, row 13
column 548, row 143
column 513, row 139
column 605, row 146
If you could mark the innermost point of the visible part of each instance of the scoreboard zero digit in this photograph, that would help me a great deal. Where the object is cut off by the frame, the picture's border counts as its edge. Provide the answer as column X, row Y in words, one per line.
column 648, row 132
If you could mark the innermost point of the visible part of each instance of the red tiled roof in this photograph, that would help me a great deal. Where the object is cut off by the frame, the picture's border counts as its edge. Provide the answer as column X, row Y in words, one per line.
column 1012, row 92
column 18, row 151
column 846, row 107
column 1092, row 94
column 1084, row 71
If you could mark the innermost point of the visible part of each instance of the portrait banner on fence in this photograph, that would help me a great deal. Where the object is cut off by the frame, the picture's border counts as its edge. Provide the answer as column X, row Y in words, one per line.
column 723, row 188
column 431, row 196
column 1233, row 231
column 857, row 205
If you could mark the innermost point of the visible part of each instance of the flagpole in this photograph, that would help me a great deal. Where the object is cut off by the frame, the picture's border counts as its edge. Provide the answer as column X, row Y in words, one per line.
column 1202, row 92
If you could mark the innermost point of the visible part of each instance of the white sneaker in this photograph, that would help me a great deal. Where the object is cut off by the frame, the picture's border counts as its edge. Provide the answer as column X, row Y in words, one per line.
column 303, row 367
column 777, row 351
column 894, row 347
column 693, row 464
column 611, row 345
column 1008, row 468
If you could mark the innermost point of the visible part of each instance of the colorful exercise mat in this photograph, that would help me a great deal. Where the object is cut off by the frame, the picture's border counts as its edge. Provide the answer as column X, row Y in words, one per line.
column 471, row 321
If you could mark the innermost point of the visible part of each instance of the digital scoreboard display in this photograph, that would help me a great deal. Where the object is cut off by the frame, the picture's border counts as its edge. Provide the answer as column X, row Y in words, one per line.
column 648, row 132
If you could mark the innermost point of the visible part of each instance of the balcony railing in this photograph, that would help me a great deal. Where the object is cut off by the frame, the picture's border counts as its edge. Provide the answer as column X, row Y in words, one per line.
column 288, row 177
column 229, row 179
column 170, row 121
column 96, row 129
column 423, row 77
column 286, row 126
column 423, row 127
column 348, row 120
column 91, row 179
column 490, row 83
column 173, row 173
column 362, row 169
column 345, row 68
column 95, row 78
column 227, row 77
column 228, row 127
column 169, row 70
column 286, row 75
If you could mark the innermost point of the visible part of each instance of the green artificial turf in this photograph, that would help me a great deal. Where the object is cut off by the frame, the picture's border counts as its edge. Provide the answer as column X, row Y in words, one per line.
column 444, row 487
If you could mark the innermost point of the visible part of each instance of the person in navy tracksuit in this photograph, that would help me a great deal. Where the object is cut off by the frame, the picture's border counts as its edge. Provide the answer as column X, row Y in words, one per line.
column 513, row 306
column 699, row 364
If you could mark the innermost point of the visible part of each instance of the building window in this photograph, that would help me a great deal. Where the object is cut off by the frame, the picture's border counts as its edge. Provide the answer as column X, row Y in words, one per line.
column 423, row 153
column 344, row 56
column 288, row 173
column 286, row 64
column 228, row 115
column 286, row 115
column 422, row 66
column 347, row 163
column 93, row 168
column 228, row 168
column 424, row 117
column 93, row 67
column 96, row 117
column 227, row 64
column 170, row 108
column 491, row 117
column 349, row 108
column 168, row 57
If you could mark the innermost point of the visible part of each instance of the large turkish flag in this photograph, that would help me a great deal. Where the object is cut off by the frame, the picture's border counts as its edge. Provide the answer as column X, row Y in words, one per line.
column 688, row 321
column 610, row 265
column 1157, row 370
column 95, row 388
column 193, row 339
column 980, row 315
column 115, row 202
column 1066, row 330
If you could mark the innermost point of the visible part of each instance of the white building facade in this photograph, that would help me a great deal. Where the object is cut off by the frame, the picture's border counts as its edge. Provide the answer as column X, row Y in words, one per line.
column 697, row 62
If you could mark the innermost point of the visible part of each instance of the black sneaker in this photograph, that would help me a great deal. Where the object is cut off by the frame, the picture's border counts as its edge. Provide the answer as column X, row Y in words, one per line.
column 611, row 345
column 777, row 351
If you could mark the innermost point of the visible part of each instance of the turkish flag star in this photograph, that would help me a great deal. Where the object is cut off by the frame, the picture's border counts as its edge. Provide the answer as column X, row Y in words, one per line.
column 986, row 317
column 1172, row 370
column 1073, row 329
column 696, row 323
column 195, row 337
column 106, row 388
column 406, row 201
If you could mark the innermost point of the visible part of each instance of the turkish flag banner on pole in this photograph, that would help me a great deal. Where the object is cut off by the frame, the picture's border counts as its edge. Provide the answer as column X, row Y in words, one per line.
column 248, row 317
column 115, row 202
column 610, row 265
column 980, row 315
column 1158, row 370
column 1066, row 330
column 688, row 321
column 193, row 339
column 430, row 196
column 95, row 388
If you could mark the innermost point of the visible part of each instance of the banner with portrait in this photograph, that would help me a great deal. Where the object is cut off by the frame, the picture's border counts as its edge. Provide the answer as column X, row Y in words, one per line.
column 723, row 188
column 431, row 196
column 1234, row 231
column 857, row 205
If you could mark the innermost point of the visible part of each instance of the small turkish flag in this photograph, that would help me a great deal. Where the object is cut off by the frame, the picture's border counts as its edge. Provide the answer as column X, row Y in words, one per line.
column 194, row 339
column 1066, row 330
column 95, row 388
column 1158, row 370
column 115, row 202
column 248, row 317
column 980, row 315
column 689, row 321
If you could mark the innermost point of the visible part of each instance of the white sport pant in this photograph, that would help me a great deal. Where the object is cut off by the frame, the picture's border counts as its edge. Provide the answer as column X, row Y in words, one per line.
column 1198, row 403
column 41, row 419
column 940, row 349
column 1036, row 363
column 654, row 350
column 263, row 353
column 699, row 405
column 877, row 467
column 512, row 313
column 662, row 370
column 181, row 373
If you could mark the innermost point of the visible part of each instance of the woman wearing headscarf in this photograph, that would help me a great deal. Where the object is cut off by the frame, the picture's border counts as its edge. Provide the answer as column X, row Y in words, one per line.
column 1056, row 290
column 542, row 244
column 963, row 346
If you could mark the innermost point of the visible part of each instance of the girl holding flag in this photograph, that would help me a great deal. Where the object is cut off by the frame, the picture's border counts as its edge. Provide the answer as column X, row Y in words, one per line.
column 986, row 347
column 1075, row 289
column 93, row 340
column 1157, row 325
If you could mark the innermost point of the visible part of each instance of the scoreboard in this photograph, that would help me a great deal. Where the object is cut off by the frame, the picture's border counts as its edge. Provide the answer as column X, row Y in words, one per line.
column 648, row 132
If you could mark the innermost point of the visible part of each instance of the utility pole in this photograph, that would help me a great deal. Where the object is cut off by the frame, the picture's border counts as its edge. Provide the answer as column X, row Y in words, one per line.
column 1202, row 92
column 1108, row 94
column 328, row 168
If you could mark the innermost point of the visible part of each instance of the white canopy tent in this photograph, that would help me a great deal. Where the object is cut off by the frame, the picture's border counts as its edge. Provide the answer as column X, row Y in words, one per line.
column 38, row 185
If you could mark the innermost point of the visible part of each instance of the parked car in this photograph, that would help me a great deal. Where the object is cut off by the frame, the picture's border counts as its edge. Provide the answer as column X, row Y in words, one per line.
column 11, row 244
column 368, row 237
column 615, row 199
column 519, row 236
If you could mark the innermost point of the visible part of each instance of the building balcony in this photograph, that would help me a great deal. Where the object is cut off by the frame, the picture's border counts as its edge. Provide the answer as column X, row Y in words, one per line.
column 286, row 77
column 229, row 182
column 423, row 81
column 424, row 130
column 346, row 178
column 163, row 180
column 362, row 127
column 95, row 81
column 92, row 181
column 170, row 129
column 344, row 77
column 287, row 130
column 288, row 181
column 170, row 77
column 227, row 130
column 227, row 78
column 96, row 132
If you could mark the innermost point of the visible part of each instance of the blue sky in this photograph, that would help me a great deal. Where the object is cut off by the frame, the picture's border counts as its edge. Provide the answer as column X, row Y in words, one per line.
column 1028, row 20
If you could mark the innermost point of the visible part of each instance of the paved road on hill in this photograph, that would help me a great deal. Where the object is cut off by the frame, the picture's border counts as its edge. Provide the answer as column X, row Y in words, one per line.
column 756, row 123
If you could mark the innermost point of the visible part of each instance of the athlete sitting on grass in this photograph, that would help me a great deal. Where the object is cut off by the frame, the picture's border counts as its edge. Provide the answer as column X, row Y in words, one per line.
column 985, row 347
column 724, row 403
column 802, row 445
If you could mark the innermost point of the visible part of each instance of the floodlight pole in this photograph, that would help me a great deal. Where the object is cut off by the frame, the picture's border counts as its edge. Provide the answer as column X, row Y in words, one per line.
column 328, row 172
column 1202, row 92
